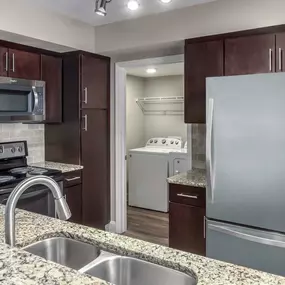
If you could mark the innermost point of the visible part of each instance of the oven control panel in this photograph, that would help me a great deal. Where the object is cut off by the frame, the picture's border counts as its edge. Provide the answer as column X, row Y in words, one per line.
column 13, row 149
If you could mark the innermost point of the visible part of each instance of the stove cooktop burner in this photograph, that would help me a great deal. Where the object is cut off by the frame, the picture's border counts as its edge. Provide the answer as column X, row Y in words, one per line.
column 37, row 171
column 4, row 179
column 19, row 170
column 28, row 170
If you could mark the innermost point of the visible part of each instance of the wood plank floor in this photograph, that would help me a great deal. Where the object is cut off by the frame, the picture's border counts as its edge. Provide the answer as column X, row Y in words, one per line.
column 148, row 225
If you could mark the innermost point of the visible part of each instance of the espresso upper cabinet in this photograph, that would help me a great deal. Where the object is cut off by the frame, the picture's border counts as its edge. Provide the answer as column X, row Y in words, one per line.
column 94, row 89
column 23, row 64
column 202, row 60
column 4, row 61
column 250, row 55
column 280, row 48
column 52, row 75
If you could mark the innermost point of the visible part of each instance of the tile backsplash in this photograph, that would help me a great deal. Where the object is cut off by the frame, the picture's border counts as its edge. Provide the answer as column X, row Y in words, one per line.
column 199, row 146
column 34, row 134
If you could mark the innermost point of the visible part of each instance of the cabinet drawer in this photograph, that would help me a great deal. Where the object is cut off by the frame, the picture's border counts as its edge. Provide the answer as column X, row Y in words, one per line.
column 188, row 195
column 72, row 178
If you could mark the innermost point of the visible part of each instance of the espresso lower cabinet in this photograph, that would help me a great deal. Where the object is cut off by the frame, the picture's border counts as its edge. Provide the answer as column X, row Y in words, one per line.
column 73, row 197
column 186, row 221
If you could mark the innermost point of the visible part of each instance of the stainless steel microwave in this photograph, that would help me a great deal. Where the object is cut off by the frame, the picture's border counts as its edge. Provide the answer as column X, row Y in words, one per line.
column 21, row 100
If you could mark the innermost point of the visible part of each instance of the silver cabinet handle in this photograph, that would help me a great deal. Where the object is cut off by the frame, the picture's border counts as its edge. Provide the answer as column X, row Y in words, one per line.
column 209, row 166
column 85, row 118
column 280, row 51
column 85, row 95
column 13, row 62
column 270, row 59
column 72, row 179
column 188, row 196
column 6, row 61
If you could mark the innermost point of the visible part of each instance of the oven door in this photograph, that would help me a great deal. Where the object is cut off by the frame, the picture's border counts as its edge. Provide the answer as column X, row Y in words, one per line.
column 37, row 200
column 21, row 100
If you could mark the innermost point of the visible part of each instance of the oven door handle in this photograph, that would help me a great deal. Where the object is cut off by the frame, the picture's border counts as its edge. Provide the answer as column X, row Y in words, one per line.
column 29, row 195
column 36, row 99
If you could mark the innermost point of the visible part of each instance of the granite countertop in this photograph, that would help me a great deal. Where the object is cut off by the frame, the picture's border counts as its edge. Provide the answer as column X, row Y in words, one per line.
column 64, row 167
column 18, row 267
column 195, row 177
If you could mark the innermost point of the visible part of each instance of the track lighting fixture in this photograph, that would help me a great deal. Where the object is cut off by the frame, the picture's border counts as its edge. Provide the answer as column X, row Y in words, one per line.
column 100, row 8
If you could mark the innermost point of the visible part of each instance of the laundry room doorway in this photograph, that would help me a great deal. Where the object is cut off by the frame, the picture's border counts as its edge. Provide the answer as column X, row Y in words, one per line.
column 149, row 125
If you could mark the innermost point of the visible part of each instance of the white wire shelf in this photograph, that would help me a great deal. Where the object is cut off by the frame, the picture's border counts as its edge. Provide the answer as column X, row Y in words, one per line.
column 165, row 101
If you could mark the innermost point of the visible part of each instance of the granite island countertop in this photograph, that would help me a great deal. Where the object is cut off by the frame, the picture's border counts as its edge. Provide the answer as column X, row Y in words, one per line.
column 64, row 167
column 195, row 177
column 32, row 227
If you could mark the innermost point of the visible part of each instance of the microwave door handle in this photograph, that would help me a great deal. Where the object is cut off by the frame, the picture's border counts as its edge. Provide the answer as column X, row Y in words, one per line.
column 36, row 99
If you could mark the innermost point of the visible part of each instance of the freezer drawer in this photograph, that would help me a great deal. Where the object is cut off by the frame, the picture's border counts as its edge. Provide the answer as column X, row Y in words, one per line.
column 247, row 247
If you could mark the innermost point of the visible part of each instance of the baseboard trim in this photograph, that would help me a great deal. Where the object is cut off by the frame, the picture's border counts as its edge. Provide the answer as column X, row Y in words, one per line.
column 111, row 227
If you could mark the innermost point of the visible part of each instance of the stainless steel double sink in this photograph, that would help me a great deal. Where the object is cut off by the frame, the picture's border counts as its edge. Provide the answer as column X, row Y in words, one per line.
column 116, row 269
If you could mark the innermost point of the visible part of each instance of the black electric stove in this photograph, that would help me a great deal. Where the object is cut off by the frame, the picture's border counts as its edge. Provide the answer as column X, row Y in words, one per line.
column 14, row 169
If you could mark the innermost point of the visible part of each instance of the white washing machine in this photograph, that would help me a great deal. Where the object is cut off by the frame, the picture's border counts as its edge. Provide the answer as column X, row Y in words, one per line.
column 148, row 171
column 179, row 162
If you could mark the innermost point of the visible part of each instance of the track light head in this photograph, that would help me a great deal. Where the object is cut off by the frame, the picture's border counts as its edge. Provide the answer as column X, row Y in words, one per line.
column 100, row 9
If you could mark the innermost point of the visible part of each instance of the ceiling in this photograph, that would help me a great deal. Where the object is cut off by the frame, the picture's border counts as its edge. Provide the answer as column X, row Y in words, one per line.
column 161, row 70
column 117, row 11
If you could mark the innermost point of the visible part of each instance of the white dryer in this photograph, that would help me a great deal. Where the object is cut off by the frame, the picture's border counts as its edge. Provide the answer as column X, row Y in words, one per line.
column 179, row 162
column 148, row 171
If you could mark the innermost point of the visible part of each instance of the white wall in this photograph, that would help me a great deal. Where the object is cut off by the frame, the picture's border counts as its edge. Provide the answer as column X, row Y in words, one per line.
column 140, row 127
column 165, row 125
column 37, row 23
column 211, row 18
column 134, row 117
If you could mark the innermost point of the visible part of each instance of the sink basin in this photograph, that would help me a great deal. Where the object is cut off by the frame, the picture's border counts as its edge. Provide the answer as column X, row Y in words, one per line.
column 120, row 270
column 65, row 251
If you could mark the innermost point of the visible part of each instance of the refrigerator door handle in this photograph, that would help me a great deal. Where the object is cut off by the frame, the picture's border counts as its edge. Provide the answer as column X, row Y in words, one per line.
column 246, row 236
column 209, row 166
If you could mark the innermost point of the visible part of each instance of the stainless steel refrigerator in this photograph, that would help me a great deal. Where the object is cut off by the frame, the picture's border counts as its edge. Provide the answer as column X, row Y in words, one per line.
column 245, row 156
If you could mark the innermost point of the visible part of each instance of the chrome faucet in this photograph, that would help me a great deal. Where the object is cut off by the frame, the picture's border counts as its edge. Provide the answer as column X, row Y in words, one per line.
column 62, row 208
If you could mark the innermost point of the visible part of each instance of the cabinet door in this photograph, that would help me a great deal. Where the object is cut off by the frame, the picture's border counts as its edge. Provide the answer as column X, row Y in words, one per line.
column 24, row 65
column 95, row 159
column 73, row 198
column 95, row 82
column 52, row 75
column 280, row 48
column 187, row 228
column 250, row 55
column 4, row 61
column 201, row 60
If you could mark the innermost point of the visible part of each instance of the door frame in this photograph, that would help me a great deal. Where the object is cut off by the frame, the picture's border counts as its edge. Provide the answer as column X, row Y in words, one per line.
column 118, row 153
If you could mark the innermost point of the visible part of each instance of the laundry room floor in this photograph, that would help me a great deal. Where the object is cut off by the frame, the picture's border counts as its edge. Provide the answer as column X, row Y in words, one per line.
column 148, row 225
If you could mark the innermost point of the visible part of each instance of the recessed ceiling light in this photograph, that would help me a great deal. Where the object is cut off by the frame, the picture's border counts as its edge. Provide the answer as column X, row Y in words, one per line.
column 151, row 70
column 133, row 5
column 165, row 1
